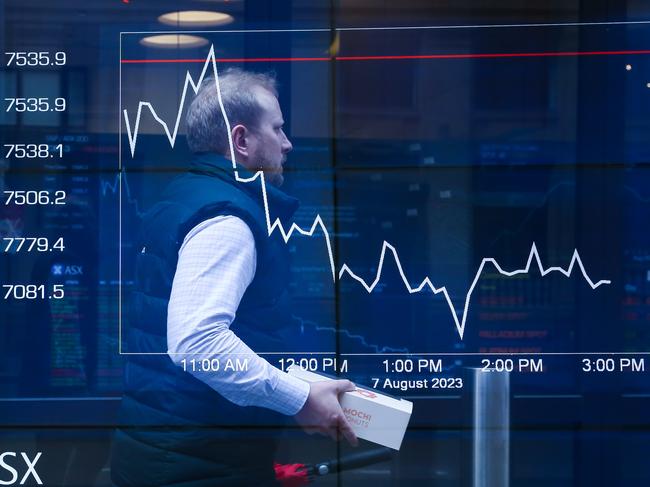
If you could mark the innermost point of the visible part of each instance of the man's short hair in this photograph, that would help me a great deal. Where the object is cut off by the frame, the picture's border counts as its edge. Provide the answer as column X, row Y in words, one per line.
column 206, row 127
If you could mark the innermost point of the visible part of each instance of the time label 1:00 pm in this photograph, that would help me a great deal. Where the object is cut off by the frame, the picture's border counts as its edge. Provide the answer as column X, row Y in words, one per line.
column 408, row 365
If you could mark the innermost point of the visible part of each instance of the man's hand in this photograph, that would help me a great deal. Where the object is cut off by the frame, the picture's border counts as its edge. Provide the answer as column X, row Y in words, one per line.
column 322, row 412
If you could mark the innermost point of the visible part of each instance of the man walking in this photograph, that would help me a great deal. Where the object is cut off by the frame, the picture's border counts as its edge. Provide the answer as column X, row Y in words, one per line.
column 211, row 285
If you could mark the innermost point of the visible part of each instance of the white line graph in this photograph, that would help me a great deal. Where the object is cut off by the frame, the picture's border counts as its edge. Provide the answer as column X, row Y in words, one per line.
column 113, row 187
column 459, row 316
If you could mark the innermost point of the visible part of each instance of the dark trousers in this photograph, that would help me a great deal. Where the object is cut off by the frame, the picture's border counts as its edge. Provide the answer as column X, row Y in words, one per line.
column 144, row 457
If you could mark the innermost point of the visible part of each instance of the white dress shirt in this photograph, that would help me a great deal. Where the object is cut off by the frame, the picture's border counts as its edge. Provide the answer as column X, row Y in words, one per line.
column 216, row 263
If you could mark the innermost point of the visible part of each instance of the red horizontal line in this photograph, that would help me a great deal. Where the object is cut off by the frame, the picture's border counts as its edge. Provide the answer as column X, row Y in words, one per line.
column 493, row 55
column 228, row 60
column 392, row 58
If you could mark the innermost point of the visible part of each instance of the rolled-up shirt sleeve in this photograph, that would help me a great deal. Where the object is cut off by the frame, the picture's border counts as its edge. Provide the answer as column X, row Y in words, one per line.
column 216, row 263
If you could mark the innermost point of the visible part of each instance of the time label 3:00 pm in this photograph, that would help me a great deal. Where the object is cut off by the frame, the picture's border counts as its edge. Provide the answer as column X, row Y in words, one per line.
column 605, row 365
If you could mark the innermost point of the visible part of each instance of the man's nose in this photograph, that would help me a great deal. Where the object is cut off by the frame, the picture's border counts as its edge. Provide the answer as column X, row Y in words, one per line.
column 287, row 146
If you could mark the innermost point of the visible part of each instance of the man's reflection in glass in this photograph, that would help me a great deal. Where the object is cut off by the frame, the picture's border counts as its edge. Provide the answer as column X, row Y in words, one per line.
column 211, row 286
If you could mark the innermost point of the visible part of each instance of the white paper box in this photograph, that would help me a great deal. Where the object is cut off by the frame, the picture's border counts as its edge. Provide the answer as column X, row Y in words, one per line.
column 373, row 416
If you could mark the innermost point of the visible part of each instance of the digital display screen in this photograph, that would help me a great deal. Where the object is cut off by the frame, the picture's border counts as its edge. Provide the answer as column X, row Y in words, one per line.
column 445, row 204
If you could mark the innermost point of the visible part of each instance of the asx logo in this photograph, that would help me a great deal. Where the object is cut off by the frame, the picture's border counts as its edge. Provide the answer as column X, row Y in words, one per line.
column 11, row 457
column 67, row 270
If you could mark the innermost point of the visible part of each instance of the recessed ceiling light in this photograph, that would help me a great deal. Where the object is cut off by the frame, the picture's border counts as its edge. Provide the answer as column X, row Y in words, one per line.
column 171, row 41
column 195, row 18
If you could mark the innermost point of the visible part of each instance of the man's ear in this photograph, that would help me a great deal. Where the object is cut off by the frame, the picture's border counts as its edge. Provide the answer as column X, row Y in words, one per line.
column 240, row 140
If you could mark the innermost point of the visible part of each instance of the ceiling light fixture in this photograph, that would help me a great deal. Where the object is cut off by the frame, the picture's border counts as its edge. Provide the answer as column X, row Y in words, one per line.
column 195, row 18
column 171, row 41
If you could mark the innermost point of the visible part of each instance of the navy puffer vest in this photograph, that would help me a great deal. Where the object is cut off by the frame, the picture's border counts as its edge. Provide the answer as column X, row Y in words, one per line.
column 159, row 394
